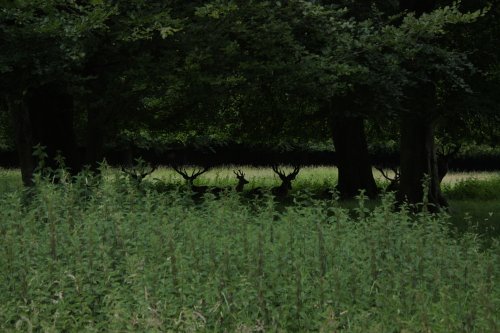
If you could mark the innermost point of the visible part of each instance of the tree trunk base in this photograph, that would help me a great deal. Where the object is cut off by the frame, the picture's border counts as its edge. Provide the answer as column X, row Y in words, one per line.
column 419, row 182
column 355, row 170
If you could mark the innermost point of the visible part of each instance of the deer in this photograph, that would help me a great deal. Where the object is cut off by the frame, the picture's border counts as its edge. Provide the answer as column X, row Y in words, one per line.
column 286, row 181
column 393, row 181
column 239, row 187
column 241, row 181
column 140, row 171
column 190, row 178
column 444, row 156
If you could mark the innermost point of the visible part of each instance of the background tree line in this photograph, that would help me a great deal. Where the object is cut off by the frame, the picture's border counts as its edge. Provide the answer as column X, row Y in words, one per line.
column 253, row 72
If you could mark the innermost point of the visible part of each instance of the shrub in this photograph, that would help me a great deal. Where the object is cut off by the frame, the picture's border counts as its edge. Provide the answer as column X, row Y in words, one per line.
column 132, row 260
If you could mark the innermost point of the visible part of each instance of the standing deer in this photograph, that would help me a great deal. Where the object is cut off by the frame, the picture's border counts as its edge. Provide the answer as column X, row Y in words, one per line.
column 286, row 182
column 190, row 178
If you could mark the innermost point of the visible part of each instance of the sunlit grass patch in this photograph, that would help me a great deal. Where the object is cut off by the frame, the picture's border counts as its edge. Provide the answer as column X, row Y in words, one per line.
column 257, row 176
column 485, row 188
column 454, row 177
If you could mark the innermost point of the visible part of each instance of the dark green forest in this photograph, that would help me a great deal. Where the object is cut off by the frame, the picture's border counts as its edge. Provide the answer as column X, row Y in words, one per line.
column 423, row 74
column 172, row 245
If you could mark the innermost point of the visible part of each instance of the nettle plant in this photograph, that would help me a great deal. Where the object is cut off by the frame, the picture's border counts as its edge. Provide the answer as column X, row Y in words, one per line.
column 146, row 261
column 59, row 174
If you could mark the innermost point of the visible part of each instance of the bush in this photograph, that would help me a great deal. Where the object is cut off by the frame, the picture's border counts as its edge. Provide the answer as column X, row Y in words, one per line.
column 121, row 259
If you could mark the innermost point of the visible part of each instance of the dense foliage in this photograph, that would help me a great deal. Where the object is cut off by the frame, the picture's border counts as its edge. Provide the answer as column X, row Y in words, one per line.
column 282, row 73
column 83, row 250
column 125, row 260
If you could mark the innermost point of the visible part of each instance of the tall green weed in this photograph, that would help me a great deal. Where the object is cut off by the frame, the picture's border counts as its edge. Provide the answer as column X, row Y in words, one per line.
column 119, row 257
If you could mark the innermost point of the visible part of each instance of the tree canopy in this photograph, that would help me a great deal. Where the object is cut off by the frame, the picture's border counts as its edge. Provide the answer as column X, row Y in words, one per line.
column 277, row 72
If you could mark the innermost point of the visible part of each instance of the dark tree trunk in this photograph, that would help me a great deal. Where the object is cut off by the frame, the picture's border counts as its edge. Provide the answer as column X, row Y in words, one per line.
column 95, row 139
column 23, row 138
column 417, row 147
column 442, row 167
column 355, row 169
column 418, row 161
column 51, row 113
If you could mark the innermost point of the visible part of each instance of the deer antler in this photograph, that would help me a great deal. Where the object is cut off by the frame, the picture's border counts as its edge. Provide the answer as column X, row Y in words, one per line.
column 397, row 174
column 384, row 174
column 146, row 172
column 239, row 174
column 140, row 171
column 194, row 174
column 283, row 176
column 295, row 172
column 181, row 172
column 279, row 172
column 241, row 180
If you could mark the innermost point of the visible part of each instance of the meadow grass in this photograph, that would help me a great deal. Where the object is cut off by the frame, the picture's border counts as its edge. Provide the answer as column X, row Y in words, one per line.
column 313, row 177
column 10, row 180
column 123, row 258
column 475, row 186
column 474, row 197
column 478, row 185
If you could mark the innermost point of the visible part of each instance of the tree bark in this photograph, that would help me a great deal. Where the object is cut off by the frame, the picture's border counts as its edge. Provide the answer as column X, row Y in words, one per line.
column 355, row 169
column 51, row 114
column 23, row 138
column 417, row 147
column 419, row 162
column 95, row 139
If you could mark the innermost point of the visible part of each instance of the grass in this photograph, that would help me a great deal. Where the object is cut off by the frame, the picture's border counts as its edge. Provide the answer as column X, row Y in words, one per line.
column 474, row 197
column 10, row 180
column 309, row 177
column 476, row 187
column 121, row 259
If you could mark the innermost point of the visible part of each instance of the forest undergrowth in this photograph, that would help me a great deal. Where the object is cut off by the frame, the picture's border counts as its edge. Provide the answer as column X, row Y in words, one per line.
column 117, row 257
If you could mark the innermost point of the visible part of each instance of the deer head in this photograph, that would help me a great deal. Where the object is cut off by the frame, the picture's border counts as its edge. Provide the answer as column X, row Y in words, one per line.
column 286, row 180
column 241, row 180
column 190, row 177
column 138, row 172
column 393, row 181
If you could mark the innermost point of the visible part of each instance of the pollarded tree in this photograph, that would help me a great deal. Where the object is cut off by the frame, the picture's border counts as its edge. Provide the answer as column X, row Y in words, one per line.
column 293, row 71
column 432, row 65
column 352, row 78
column 437, row 57
column 337, row 46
